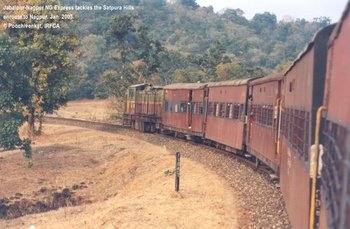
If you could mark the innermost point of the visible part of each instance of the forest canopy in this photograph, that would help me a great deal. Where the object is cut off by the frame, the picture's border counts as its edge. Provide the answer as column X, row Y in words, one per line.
column 196, row 43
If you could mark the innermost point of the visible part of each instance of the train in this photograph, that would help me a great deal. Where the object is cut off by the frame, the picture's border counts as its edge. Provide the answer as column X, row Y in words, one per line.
column 296, row 122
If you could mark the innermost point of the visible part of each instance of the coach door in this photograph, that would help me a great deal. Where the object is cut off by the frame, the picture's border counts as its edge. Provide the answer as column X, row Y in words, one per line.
column 205, row 109
column 250, row 115
column 189, row 110
column 278, row 118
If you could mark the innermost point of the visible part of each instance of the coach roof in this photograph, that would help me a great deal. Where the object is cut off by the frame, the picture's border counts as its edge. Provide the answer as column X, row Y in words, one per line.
column 269, row 78
column 185, row 86
column 230, row 83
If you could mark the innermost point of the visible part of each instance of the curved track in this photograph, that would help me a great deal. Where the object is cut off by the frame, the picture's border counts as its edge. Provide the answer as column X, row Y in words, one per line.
column 261, row 203
column 108, row 127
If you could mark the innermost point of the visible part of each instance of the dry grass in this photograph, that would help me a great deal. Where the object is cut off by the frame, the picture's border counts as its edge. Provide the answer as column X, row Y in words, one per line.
column 91, row 110
column 125, row 182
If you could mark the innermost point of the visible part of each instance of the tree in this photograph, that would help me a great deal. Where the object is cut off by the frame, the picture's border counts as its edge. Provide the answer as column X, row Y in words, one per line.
column 115, row 85
column 122, row 30
column 138, row 55
column 188, row 75
column 190, row 3
column 236, row 16
column 283, row 30
column 52, row 65
column 265, row 21
column 208, row 62
column 148, row 51
column 171, row 62
column 322, row 21
column 153, row 4
column 230, row 71
column 92, row 63
column 15, row 93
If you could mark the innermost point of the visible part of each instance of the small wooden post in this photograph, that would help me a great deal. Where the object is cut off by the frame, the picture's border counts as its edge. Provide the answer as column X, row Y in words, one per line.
column 177, row 175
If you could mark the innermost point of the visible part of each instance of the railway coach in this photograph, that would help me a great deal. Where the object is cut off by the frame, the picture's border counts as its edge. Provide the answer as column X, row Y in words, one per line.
column 264, row 115
column 335, row 130
column 184, row 109
column 226, row 116
column 303, row 95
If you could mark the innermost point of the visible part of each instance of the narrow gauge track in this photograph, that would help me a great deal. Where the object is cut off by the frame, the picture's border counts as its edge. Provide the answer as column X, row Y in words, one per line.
column 246, row 160
column 260, row 202
column 108, row 127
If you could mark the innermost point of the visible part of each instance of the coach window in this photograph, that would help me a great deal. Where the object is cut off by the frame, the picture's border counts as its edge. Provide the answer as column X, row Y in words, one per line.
column 194, row 109
column 183, row 107
column 166, row 107
column 283, row 122
column 216, row 113
column 236, row 111
column 257, row 113
column 131, row 94
column 211, row 108
column 262, row 114
column 200, row 107
column 176, row 108
column 241, row 112
column 229, row 110
column 270, row 115
column 291, row 85
column 222, row 110
column 266, row 114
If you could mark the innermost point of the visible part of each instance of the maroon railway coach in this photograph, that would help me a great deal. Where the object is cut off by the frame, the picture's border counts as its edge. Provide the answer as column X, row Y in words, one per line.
column 335, row 133
column 143, row 107
column 226, row 114
column 184, row 109
column 303, row 95
column 264, row 108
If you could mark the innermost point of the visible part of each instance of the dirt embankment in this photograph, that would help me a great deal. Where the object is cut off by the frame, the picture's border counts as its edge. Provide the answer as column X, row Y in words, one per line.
column 114, row 181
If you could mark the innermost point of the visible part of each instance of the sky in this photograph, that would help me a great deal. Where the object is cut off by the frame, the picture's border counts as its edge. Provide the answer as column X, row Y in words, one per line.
column 307, row 9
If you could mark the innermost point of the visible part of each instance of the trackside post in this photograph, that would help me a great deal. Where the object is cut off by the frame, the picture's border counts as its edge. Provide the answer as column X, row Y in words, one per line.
column 177, row 174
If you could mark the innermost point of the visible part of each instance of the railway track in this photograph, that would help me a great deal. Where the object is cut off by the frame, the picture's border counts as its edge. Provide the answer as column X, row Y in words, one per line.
column 107, row 127
column 241, row 158
column 114, row 128
column 260, row 202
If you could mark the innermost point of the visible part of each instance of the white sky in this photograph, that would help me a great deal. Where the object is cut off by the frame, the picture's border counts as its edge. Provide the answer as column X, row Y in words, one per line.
column 307, row 9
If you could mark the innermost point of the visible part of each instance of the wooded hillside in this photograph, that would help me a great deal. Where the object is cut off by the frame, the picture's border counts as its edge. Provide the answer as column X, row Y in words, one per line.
column 200, row 45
